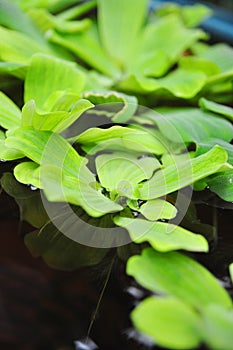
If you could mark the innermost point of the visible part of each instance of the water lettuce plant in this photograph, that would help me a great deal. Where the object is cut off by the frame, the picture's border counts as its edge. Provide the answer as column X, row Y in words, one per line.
column 160, row 55
column 92, row 169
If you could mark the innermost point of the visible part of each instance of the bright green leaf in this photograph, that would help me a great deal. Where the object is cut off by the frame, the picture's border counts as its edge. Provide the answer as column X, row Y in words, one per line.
column 28, row 173
column 121, row 172
column 119, row 30
column 67, row 77
column 225, row 111
column 218, row 327
column 162, row 236
column 117, row 106
column 182, row 174
column 205, row 125
column 60, row 187
column 169, row 322
column 10, row 114
column 158, row 209
column 178, row 275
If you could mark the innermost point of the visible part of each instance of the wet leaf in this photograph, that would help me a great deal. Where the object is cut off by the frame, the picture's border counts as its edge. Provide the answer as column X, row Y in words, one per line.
column 222, row 185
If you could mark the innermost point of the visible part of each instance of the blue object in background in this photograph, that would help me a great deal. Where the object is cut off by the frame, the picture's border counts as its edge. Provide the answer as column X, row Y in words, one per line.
column 220, row 25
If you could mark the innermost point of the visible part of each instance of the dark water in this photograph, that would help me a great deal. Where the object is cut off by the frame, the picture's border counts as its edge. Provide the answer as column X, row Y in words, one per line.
column 45, row 309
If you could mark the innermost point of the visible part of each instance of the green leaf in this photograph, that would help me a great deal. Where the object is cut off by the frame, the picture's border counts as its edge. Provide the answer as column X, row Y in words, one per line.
column 121, row 138
column 119, row 30
column 117, row 106
column 192, row 63
column 218, row 327
column 63, row 173
column 28, row 173
column 67, row 77
column 220, row 54
column 120, row 172
column 78, row 190
column 180, row 83
column 12, row 43
column 156, row 209
column 204, row 147
column 47, row 148
column 192, row 15
column 56, row 121
column 225, row 111
column 14, row 18
column 7, row 153
column 10, row 114
column 162, row 236
column 178, row 275
column 182, row 174
column 169, row 322
column 222, row 185
column 29, row 202
column 169, row 35
column 46, row 21
column 205, row 125
column 17, row 70
column 87, row 46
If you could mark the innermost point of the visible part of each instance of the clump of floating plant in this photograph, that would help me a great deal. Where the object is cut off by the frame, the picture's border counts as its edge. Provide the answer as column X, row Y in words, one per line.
column 92, row 169
column 157, row 53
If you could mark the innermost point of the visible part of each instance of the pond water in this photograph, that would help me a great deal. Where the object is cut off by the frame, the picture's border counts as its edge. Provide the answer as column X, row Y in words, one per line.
column 46, row 309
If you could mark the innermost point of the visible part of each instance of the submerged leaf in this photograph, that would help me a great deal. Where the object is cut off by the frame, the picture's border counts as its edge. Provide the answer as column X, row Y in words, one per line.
column 29, row 202
column 60, row 252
